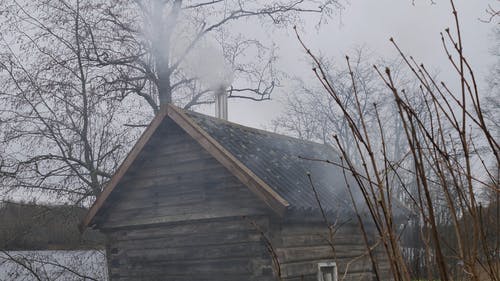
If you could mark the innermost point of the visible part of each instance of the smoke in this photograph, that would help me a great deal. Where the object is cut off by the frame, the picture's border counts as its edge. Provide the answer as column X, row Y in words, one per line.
column 173, row 38
column 204, row 61
column 209, row 65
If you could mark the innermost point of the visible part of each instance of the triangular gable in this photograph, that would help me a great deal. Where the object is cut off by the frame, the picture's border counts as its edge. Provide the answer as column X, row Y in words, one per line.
column 238, row 169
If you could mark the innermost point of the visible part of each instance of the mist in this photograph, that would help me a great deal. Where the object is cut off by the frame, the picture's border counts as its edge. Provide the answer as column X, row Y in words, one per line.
column 101, row 108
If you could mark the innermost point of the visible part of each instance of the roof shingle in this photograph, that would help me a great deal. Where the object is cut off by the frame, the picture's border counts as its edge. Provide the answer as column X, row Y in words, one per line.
column 278, row 161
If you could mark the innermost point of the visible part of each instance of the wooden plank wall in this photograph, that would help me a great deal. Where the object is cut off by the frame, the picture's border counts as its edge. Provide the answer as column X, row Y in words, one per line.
column 384, row 267
column 175, row 179
column 301, row 246
column 209, row 250
column 177, row 215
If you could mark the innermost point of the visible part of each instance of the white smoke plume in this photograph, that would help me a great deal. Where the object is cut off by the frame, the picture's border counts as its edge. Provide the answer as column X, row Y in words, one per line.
column 205, row 61
column 208, row 64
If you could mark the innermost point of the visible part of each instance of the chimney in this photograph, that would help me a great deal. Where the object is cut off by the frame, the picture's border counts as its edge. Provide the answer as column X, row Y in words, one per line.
column 221, row 103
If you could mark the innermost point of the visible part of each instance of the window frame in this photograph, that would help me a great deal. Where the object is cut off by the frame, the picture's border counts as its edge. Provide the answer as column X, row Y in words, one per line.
column 327, row 264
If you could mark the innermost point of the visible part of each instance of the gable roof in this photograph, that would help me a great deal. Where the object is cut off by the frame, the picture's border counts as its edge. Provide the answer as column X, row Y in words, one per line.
column 267, row 163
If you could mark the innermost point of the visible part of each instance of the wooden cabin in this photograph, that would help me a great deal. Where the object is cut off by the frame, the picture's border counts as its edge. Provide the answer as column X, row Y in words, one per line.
column 203, row 199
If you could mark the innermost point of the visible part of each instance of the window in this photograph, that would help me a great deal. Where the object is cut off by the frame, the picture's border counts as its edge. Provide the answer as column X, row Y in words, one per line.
column 327, row 271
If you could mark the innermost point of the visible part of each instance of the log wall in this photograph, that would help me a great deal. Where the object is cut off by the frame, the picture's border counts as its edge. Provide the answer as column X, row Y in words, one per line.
column 227, row 249
column 178, row 214
column 175, row 179
column 301, row 246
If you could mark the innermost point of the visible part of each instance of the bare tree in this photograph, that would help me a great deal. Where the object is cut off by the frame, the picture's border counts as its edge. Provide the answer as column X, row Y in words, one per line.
column 79, row 79
column 75, row 72
column 170, row 45
column 310, row 115
column 453, row 155
column 60, row 131
column 492, row 96
column 52, row 265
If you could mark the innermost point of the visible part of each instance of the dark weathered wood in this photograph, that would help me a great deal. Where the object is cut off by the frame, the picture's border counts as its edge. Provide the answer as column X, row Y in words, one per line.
column 383, row 264
column 168, row 188
column 210, row 174
column 188, row 210
column 220, row 225
column 220, row 249
column 157, row 120
column 319, row 252
column 144, row 146
column 301, row 245
column 297, row 269
column 254, row 183
column 208, row 214
column 184, row 192
column 192, row 240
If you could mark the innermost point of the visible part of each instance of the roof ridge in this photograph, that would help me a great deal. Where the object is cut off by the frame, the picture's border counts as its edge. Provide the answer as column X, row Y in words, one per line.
column 234, row 124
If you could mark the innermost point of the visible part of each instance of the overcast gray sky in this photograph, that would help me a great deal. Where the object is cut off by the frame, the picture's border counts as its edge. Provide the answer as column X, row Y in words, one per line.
column 371, row 23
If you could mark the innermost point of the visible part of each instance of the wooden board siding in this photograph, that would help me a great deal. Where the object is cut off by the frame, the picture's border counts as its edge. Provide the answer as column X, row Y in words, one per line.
column 237, row 168
column 123, row 168
column 177, row 214
column 301, row 246
column 384, row 267
column 175, row 179
column 209, row 250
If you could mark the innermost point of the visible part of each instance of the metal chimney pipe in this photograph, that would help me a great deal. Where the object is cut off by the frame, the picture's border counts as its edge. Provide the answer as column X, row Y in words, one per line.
column 221, row 103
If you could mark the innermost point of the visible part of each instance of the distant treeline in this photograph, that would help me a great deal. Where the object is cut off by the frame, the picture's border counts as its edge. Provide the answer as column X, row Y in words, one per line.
column 28, row 226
